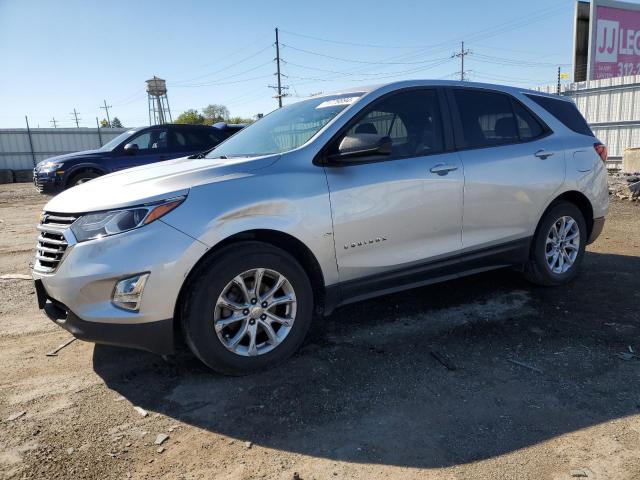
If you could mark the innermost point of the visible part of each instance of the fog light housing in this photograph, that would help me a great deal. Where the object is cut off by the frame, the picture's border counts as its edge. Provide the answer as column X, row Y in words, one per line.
column 128, row 292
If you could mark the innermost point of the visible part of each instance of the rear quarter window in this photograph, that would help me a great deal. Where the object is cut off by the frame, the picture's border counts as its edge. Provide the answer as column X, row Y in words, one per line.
column 566, row 112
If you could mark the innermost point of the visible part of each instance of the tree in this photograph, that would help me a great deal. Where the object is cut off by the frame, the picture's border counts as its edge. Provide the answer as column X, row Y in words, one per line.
column 215, row 113
column 190, row 117
column 240, row 120
column 104, row 123
column 116, row 123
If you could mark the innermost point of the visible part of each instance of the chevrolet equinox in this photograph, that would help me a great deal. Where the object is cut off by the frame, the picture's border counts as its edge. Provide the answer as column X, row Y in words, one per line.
column 332, row 200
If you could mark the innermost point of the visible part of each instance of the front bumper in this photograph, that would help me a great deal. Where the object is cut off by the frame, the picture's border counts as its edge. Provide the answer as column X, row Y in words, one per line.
column 78, row 294
column 47, row 182
column 155, row 337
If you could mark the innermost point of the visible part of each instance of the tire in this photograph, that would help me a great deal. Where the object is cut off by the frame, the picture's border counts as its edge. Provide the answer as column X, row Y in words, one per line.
column 82, row 177
column 550, row 272
column 213, row 285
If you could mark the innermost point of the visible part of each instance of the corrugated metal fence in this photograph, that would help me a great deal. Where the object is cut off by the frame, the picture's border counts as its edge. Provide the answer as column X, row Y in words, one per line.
column 612, row 109
column 16, row 148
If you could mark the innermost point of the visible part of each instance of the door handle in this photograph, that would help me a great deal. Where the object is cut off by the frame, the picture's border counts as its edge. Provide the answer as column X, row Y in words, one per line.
column 442, row 169
column 543, row 154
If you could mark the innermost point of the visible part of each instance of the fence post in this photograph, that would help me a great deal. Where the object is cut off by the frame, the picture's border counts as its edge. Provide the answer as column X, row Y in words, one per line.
column 99, row 134
column 33, row 155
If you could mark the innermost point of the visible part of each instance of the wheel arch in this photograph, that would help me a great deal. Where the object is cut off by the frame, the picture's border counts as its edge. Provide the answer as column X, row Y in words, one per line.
column 276, row 238
column 577, row 198
column 85, row 167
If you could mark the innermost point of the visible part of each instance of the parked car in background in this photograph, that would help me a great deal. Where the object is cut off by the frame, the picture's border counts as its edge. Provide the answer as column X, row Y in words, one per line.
column 135, row 147
column 328, row 201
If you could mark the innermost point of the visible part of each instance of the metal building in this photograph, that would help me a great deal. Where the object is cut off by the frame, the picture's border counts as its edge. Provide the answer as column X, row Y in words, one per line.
column 21, row 149
column 612, row 109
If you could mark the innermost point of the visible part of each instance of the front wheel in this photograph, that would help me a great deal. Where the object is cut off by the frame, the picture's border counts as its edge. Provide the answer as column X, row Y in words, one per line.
column 558, row 246
column 249, row 308
column 82, row 177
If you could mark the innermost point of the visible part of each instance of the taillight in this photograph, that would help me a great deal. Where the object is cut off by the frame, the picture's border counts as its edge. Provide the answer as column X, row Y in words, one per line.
column 601, row 150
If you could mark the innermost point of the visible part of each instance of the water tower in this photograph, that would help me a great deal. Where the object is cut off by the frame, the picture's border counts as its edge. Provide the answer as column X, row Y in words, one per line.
column 158, row 102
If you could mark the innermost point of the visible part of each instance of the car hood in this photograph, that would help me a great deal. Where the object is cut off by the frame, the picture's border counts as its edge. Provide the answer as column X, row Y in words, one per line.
column 153, row 182
column 74, row 156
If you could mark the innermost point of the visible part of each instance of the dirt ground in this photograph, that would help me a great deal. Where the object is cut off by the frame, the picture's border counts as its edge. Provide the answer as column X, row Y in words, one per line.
column 539, row 386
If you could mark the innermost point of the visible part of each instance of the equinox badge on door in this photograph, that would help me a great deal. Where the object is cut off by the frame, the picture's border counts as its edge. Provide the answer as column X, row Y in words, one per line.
column 364, row 242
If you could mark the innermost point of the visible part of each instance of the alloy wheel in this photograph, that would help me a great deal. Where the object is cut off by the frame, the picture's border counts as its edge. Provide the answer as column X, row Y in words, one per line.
column 562, row 244
column 255, row 312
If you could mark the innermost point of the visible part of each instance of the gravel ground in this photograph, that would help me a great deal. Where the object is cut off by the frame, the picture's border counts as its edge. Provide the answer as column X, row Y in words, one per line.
column 538, row 385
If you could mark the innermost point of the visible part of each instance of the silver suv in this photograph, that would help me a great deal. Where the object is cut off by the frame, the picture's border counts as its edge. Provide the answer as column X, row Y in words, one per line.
column 328, row 201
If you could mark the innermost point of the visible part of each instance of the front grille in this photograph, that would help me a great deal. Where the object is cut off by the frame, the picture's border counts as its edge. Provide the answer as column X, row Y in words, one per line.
column 51, row 241
column 36, row 180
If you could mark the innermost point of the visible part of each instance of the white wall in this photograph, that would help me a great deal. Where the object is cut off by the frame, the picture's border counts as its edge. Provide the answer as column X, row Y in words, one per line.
column 15, row 151
column 612, row 108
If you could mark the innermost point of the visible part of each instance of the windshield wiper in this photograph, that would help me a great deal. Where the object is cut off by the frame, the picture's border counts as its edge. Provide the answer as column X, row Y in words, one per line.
column 202, row 154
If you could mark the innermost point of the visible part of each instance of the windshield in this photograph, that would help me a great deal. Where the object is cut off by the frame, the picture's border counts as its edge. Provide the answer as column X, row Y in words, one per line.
column 111, row 144
column 284, row 129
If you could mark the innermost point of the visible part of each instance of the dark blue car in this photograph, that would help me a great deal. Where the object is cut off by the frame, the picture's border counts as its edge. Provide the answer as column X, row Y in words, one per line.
column 138, row 146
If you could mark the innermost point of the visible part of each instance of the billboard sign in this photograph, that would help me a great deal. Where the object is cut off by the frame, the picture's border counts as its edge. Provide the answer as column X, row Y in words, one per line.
column 614, row 49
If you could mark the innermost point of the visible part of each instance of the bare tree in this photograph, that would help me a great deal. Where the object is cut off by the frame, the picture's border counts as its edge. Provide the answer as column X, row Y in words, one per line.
column 215, row 113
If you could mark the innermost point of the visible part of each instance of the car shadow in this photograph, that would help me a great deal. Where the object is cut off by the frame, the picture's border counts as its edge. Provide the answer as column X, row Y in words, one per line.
column 433, row 377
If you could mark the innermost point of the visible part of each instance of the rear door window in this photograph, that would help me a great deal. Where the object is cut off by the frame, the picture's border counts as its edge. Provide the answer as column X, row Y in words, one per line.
column 486, row 118
column 566, row 112
column 529, row 128
column 196, row 140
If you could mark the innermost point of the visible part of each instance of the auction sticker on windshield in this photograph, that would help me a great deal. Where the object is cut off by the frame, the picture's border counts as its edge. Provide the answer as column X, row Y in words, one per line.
column 337, row 102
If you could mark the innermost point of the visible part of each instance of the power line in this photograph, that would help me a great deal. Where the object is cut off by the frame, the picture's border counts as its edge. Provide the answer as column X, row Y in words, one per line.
column 499, row 77
column 379, row 76
column 126, row 99
column 235, row 53
column 487, row 32
column 338, row 42
column 255, row 54
column 353, row 60
column 513, row 61
column 348, row 73
column 137, row 97
column 526, row 52
column 217, row 80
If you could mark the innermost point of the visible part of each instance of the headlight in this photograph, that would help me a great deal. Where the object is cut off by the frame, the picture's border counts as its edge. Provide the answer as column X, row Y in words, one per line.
column 103, row 224
column 49, row 166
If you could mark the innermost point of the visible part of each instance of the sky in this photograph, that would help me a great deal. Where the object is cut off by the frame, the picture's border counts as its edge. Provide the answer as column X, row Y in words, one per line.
column 66, row 54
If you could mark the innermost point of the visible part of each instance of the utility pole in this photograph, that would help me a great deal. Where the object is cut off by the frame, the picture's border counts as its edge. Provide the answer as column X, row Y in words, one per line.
column 54, row 122
column 279, row 87
column 99, row 134
column 463, row 53
column 33, row 154
column 106, row 108
column 559, row 76
column 75, row 115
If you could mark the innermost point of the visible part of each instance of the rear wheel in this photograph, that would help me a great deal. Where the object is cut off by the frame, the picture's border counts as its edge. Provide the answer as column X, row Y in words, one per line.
column 82, row 177
column 249, row 308
column 558, row 246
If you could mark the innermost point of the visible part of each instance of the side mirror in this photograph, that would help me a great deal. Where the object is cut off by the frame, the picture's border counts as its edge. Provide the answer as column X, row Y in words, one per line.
column 131, row 148
column 362, row 145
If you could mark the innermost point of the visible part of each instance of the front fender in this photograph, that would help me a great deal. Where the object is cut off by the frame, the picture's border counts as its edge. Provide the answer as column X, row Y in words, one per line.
column 293, row 202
